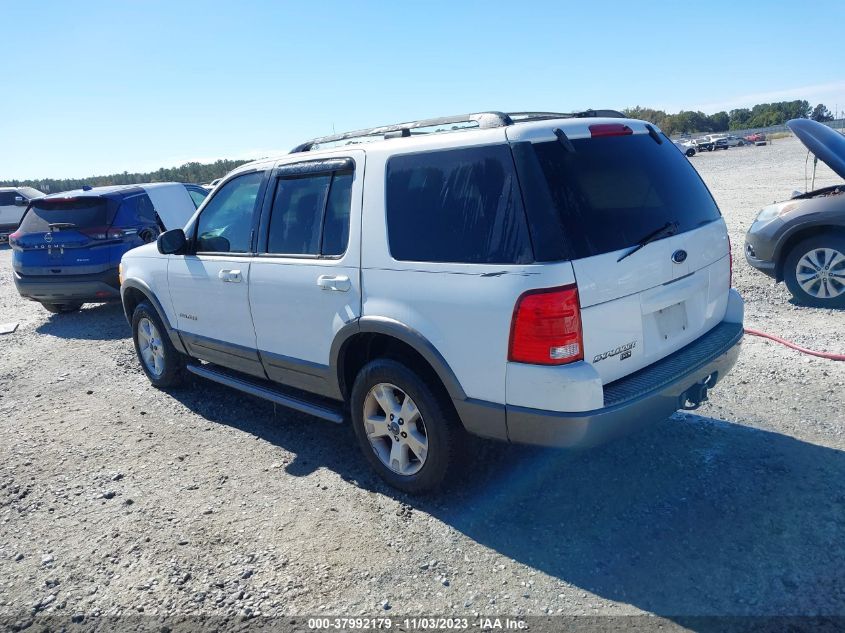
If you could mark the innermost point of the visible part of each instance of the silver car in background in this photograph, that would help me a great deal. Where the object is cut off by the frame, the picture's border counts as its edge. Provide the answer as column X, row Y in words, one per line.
column 13, row 201
column 802, row 241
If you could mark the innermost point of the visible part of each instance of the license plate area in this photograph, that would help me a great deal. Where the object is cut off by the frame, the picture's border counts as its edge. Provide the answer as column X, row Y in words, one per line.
column 671, row 321
column 55, row 253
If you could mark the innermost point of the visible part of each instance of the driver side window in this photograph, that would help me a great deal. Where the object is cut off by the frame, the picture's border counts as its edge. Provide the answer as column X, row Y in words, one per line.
column 225, row 225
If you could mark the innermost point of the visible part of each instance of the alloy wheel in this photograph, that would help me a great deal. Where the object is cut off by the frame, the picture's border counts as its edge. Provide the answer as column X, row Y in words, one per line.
column 395, row 429
column 151, row 347
column 821, row 273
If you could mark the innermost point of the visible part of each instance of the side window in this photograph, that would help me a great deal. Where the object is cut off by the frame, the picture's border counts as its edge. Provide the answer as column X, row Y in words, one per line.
column 135, row 209
column 197, row 196
column 297, row 210
column 310, row 215
column 7, row 198
column 146, row 210
column 225, row 225
column 461, row 206
column 336, row 225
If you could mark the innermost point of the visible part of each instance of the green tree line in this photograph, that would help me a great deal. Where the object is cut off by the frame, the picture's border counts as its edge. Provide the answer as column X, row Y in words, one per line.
column 198, row 173
column 761, row 115
column 685, row 121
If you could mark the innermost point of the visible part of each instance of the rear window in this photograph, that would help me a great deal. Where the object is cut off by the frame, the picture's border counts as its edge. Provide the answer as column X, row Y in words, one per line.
column 611, row 192
column 456, row 206
column 77, row 213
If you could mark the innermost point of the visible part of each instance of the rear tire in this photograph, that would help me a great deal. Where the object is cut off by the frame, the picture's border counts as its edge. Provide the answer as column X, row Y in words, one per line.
column 61, row 308
column 814, row 271
column 386, row 390
column 163, row 365
column 690, row 152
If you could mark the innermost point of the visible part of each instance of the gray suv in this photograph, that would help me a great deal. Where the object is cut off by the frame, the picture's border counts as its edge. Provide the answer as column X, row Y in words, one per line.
column 802, row 241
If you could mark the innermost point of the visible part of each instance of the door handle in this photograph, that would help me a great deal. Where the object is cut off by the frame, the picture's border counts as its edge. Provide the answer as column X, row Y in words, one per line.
column 230, row 276
column 340, row 283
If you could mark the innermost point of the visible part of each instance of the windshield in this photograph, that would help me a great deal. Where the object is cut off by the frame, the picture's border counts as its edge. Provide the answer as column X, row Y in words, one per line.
column 75, row 213
column 611, row 191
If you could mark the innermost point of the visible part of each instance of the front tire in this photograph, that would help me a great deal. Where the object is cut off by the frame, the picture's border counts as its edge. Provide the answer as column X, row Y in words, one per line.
column 690, row 152
column 163, row 365
column 814, row 271
column 61, row 308
column 406, row 428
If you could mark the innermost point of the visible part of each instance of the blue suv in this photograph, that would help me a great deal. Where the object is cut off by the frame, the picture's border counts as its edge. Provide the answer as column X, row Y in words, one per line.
column 68, row 246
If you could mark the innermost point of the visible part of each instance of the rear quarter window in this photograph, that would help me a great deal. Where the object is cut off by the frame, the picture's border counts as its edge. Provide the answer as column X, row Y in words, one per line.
column 136, row 209
column 460, row 206
column 610, row 192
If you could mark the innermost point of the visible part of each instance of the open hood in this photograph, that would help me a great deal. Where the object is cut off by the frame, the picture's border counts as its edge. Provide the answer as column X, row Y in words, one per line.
column 172, row 202
column 825, row 143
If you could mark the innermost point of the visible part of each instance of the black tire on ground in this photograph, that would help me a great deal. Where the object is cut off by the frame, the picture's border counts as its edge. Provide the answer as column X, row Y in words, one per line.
column 61, row 308
column 443, row 430
column 690, row 152
column 173, row 372
column 834, row 242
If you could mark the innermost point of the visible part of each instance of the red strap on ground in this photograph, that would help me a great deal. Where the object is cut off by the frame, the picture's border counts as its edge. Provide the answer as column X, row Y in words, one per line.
column 803, row 350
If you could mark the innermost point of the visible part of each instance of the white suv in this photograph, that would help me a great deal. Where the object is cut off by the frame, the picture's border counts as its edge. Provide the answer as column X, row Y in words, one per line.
column 540, row 278
column 13, row 203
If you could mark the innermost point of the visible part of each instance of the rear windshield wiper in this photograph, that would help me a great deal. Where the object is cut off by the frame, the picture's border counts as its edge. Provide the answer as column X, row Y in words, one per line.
column 670, row 228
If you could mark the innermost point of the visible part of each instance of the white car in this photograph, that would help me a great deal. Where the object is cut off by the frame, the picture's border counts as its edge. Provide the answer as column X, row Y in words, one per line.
column 539, row 278
column 724, row 141
column 686, row 146
column 13, row 202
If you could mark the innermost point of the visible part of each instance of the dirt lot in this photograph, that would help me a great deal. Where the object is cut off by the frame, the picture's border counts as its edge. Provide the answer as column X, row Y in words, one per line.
column 116, row 498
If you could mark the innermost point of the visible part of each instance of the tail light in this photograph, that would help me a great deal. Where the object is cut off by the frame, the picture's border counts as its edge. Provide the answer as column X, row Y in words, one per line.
column 13, row 239
column 610, row 129
column 105, row 233
column 546, row 327
column 730, row 263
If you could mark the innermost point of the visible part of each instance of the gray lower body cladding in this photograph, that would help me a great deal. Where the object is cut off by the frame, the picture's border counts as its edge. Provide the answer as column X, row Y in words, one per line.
column 649, row 395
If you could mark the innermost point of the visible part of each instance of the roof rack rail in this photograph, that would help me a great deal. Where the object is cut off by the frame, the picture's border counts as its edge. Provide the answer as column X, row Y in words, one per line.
column 519, row 117
column 482, row 119
column 491, row 119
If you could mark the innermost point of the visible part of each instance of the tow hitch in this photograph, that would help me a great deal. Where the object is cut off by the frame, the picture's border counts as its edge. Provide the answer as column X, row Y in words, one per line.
column 697, row 394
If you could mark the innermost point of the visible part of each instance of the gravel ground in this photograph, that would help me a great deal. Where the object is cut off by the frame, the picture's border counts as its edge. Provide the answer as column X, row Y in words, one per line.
column 116, row 498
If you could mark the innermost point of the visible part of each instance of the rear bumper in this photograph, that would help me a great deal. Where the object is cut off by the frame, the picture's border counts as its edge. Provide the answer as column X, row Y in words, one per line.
column 94, row 288
column 649, row 395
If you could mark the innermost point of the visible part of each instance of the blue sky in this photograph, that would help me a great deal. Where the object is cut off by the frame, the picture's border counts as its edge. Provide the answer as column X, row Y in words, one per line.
column 103, row 87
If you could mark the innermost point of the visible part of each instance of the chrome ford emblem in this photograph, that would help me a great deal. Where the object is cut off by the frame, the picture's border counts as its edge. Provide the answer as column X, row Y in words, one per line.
column 679, row 257
column 48, row 237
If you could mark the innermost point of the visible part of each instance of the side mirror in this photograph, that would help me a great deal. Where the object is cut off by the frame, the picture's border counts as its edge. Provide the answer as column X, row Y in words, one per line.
column 172, row 242
column 20, row 201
